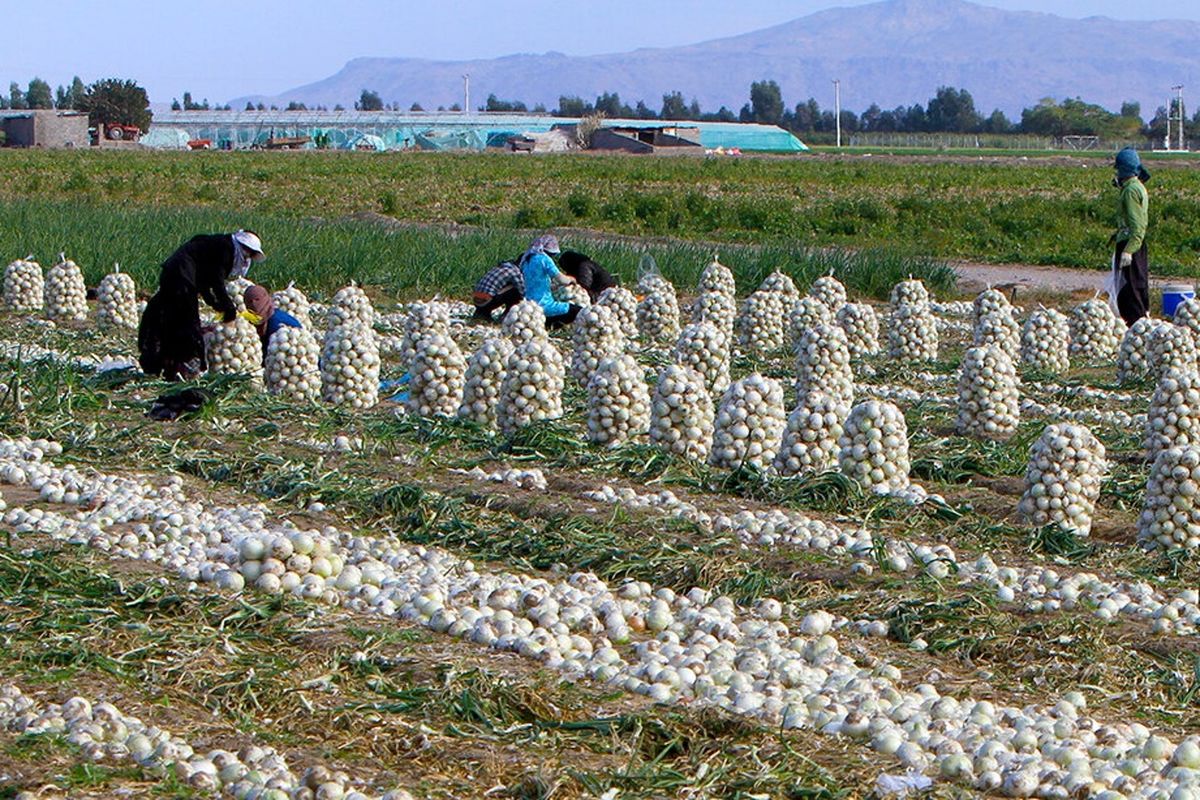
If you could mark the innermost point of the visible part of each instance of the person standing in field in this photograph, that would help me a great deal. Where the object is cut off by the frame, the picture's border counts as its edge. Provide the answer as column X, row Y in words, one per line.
column 170, row 339
column 1131, row 263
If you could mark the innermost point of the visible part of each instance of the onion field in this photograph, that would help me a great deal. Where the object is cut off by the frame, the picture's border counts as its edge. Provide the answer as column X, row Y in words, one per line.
column 772, row 520
column 1032, row 210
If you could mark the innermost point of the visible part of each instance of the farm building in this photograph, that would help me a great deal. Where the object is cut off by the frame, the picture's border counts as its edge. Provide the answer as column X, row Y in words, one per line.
column 437, row 131
column 45, row 128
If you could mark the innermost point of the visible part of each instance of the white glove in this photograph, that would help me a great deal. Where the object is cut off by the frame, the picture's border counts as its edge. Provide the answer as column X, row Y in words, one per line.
column 1126, row 259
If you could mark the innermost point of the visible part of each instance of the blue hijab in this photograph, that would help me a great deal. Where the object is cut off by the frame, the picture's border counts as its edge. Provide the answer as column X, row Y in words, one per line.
column 1128, row 165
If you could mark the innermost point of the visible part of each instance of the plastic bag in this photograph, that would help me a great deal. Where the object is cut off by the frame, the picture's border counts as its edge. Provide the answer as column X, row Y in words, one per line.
column 647, row 266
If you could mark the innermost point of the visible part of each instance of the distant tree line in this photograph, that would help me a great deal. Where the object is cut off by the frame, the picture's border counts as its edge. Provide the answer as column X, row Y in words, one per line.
column 108, row 101
column 950, row 110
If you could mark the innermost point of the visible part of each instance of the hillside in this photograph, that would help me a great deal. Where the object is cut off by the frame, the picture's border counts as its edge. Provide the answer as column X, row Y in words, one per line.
column 892, row 52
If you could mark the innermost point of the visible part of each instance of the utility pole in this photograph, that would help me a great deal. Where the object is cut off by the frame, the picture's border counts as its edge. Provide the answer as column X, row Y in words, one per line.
column 837, row 106
column 467, row 93
column 1179, row 115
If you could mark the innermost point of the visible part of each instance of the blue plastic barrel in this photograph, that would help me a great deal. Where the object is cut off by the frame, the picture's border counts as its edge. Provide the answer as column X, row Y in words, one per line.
column 1176, row 293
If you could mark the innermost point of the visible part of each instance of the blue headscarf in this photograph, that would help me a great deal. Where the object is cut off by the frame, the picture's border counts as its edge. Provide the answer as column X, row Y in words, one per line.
column 1128, row 165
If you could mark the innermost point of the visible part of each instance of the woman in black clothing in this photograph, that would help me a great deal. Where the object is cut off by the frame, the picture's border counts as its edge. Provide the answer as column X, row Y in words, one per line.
column 170, row 339
column 587, row 273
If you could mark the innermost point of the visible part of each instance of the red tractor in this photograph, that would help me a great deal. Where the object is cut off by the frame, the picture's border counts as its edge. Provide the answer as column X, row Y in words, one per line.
column 122, row 133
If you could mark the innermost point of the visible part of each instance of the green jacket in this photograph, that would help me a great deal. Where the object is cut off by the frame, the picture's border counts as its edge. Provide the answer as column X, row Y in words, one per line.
column 1133, row 212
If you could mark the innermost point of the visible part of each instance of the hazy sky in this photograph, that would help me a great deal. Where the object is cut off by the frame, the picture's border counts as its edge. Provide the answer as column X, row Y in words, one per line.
column 220, row 50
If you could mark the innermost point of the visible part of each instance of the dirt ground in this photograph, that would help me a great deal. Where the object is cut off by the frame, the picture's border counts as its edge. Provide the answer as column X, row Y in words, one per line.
column 1028, row 277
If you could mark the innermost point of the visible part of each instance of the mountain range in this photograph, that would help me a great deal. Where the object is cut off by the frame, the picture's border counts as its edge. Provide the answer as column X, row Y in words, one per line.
column 891, row 53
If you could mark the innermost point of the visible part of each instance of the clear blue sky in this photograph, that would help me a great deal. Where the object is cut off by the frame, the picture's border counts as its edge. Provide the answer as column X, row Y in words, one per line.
column 220, row 50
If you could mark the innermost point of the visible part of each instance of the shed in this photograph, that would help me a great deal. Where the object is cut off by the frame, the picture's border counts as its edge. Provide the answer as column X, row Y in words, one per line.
column 646, row 140
column 45, row 128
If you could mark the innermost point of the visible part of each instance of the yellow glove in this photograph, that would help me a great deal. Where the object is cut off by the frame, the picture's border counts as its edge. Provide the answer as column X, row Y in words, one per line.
column 251, row 317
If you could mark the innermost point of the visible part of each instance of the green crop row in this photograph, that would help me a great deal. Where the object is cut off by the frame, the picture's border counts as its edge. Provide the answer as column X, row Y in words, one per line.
column 321, row 256
column 1037, row 210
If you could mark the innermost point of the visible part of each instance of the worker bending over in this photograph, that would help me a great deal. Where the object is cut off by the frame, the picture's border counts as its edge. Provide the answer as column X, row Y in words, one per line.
column 170, row 340
column 264, row 316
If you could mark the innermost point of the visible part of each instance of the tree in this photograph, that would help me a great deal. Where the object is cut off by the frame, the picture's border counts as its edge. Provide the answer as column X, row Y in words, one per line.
column 260, row 107
column 249, row 106
column 455, row 107
column 116, row 101
column 674, row 107
column 694, row 111
column 573, row 106
column 1132, row 109
column 952, row 111
column 766, row 102
column 369, row 101
column 806, row 116
column 871, row 117
column 339, row 107
column 495, row 104
column 724, row 115
column 540, row 108
column 78, row 90
column 610, row 105
column 62, row 97
column 295, row 106
column 643, row 111
column 415, row 107
column 175, row 106
column 39, row 94
column 16, row 98
column 997, row 123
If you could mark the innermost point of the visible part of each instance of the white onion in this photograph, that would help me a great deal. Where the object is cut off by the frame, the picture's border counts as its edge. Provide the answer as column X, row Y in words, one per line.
column 595, row 335
column 23, row 286
column 233, row 348
column 810, row 440
column 532, row 388
column 760, row 323
column 911, row 292
column 830, row 291
column 873, row 448
column 823, row 363
column 625, row 307
column 861, row 325
column 293, row 301
column 715, row 301
column 1174, row 416
column 1046, row 341
column 483, row 379
column 524, row 322
column 1170, row 517
column 618, row 401
column 807, row 312
column 704, row 348
column 1133, row 356
column 65, row 292
column 436, row 375
column 116, row 300
column 988, row 397
column 1062, row 481
column 749, row 424
column 350, row 356
column 681, row 413
column 1096, row 332
column 912, row 333
column 293, row 364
